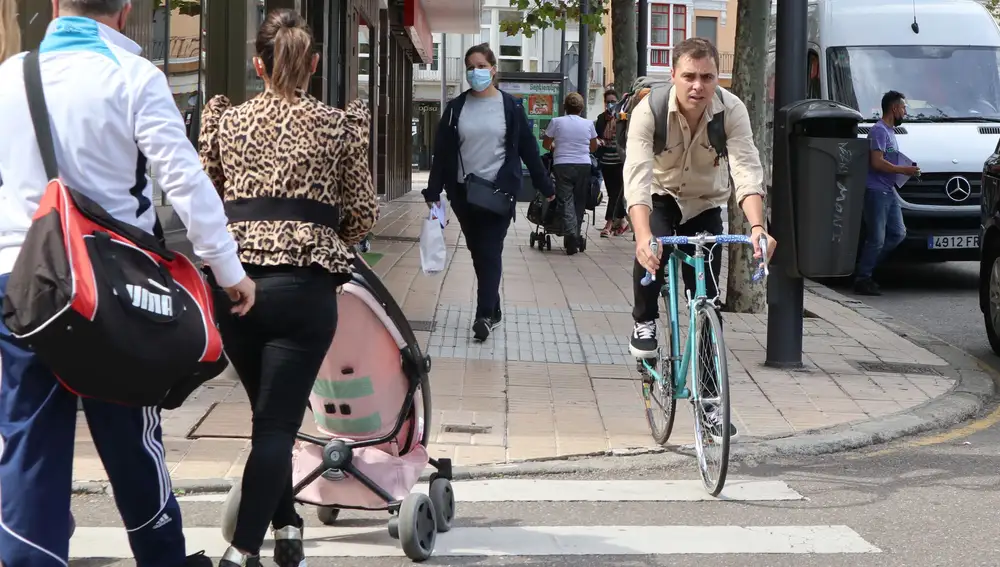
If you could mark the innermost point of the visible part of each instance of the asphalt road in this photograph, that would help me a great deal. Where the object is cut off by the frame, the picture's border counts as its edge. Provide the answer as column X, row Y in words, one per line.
column 934, row 506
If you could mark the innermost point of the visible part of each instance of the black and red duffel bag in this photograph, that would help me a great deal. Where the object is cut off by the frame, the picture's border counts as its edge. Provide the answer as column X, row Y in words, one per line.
column 106, row 306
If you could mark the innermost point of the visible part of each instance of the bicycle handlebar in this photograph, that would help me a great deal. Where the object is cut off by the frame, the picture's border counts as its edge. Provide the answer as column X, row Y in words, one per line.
column 704, row 239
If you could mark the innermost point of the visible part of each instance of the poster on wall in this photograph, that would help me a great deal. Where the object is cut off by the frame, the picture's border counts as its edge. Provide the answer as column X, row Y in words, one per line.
column 540, row 102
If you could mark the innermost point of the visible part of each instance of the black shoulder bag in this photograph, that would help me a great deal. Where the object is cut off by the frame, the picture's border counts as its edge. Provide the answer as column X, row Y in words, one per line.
column 484, row 194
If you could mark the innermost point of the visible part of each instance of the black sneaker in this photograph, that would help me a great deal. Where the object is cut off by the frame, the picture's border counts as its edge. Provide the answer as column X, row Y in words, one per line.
column 481, row 328
column 233, row 558
column 496, row 319
column 288, row 551
column 198, row 560
column 866, row 286
column 643, row 341
column 713, row 420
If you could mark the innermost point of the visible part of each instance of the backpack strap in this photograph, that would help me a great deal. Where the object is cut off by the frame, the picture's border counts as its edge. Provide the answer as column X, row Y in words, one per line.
column 717, row 137
column 659, row 104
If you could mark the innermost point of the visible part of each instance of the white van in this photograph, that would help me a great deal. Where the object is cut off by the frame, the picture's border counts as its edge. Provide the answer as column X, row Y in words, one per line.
column 949, row 73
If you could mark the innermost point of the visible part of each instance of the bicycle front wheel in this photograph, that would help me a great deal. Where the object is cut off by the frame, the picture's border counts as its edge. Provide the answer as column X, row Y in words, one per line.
column 710, row 400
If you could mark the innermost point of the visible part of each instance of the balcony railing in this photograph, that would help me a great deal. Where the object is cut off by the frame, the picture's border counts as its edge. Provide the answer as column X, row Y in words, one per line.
column 659, row 61
column 456, row 72
column 453, row 65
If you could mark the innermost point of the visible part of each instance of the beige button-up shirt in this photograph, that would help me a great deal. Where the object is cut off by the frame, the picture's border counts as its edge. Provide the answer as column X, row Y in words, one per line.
column 687, row 169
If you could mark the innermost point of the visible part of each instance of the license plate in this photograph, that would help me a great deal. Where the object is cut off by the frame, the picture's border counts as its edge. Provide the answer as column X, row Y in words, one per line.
column 953, row 241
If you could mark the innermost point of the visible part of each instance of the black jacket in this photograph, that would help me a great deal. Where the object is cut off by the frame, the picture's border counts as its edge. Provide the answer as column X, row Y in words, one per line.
column 520, row 145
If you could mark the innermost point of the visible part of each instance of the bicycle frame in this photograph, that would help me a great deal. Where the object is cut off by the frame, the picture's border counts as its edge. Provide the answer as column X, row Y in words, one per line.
column 680, row 364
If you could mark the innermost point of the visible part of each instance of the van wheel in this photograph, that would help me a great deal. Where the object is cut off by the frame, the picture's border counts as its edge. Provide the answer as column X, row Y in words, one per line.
column 992, row 312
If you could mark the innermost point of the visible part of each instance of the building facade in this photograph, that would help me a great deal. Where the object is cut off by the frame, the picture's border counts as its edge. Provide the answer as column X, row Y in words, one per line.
column 671, row 22
column 368, row 49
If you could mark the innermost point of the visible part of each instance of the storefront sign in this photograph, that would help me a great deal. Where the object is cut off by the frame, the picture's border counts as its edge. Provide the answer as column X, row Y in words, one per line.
column 530, row 88
column 419, row 30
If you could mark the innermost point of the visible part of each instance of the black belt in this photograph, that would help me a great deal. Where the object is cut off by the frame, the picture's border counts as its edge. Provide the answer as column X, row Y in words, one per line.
column 283, row 209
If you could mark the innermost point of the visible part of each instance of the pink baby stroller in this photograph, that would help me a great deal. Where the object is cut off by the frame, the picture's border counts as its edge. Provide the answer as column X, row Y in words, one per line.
column 371, row 405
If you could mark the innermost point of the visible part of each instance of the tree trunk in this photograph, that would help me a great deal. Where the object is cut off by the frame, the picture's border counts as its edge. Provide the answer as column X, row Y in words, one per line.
column 625, row 60
column 749, row 66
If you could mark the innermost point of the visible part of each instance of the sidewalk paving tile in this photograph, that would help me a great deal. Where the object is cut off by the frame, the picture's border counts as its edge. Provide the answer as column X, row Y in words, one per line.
column 556, row 379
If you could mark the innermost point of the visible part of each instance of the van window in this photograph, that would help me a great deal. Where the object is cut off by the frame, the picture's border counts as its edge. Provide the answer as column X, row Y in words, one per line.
column 939, row 82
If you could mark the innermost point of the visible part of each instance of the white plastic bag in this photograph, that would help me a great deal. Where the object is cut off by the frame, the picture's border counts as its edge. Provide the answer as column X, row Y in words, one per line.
column 432, row 249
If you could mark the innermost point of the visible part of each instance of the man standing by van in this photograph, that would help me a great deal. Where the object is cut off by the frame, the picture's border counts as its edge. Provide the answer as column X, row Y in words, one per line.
column 884, row 228
column 111, row 111
column 683, row 188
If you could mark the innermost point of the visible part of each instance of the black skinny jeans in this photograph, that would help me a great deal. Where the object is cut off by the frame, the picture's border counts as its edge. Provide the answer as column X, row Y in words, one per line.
column 277, row 349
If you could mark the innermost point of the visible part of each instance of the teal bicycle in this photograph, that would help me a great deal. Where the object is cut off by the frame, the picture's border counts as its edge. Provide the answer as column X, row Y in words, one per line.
column 665, row 377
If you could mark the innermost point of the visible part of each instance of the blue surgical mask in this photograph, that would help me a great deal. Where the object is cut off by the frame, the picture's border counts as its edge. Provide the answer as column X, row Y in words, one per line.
column 479, row 79
column 611, row 107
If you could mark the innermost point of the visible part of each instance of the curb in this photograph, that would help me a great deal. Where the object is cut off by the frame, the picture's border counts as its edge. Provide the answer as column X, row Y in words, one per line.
column 975, row 386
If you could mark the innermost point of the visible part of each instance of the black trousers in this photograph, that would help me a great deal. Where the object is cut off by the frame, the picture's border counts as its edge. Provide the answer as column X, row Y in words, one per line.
column 484, row 235
column 572, row 186
column 664, row 220
column 614, row 183
column 277, row 349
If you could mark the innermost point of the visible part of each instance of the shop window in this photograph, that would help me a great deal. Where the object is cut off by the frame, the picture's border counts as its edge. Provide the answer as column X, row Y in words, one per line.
column 365, row 34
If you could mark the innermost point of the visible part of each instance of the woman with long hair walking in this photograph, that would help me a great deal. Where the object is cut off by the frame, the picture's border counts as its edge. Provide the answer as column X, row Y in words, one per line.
column 293, row 173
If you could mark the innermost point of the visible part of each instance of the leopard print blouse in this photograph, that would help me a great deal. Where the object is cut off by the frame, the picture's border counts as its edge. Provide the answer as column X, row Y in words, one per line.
column 270, row 147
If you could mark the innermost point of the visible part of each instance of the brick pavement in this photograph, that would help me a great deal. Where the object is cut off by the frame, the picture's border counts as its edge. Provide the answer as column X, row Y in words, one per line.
column 556, row 379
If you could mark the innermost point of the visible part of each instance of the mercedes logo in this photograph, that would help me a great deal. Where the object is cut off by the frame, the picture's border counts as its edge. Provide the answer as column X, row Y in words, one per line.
column 958, row 188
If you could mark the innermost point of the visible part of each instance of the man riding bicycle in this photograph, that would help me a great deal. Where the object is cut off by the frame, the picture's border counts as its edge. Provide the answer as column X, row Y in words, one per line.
column 681, row 190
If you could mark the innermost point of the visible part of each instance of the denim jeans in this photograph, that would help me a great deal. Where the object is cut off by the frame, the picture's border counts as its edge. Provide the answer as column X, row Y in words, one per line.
column 884, row 230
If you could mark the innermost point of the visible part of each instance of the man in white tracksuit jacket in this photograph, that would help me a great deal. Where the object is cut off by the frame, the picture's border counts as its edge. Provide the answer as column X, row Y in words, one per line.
column 112, row 112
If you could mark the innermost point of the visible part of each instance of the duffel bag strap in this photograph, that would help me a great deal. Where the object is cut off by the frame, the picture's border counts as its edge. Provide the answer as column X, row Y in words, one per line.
column 40, row 114
column 43, row 127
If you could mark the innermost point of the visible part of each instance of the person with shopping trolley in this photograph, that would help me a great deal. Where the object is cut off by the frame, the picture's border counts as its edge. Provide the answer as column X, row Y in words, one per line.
column 677, row 184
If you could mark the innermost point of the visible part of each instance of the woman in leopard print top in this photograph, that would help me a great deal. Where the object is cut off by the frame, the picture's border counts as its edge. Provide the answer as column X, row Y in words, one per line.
column 293, row 173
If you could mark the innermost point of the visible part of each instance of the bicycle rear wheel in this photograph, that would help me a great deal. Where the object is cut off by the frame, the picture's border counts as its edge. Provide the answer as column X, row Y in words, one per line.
column 710, row 400
column 658, row 393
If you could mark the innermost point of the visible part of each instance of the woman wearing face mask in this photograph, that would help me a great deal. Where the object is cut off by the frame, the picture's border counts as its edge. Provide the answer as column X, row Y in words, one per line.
column 483, row 136
column 611, row 166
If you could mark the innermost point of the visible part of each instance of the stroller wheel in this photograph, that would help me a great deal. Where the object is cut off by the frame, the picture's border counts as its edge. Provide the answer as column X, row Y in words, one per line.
column 531, row 240
column 393, row 527
column 327, row 515
column 443, row 497
column 230, row 511
column 417, row 527
column 548, row 242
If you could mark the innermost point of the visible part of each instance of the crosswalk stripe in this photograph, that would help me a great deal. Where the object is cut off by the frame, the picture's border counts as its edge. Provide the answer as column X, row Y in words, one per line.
column 112, row 543
column 546, row 490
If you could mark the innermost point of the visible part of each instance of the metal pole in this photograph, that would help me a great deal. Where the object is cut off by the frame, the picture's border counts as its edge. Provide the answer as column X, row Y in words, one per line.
column 784, row 292
column 562, row 68
column 443, row 66
column 642, row 38
column 583, row 64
